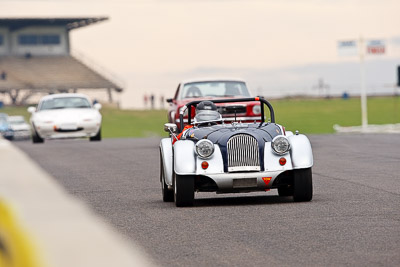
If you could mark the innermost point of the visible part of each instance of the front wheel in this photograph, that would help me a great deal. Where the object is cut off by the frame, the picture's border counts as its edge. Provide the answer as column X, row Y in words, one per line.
column 9, row 138
column 36, row 139
column 183, row 190
column 97, row 137
column 303, row 189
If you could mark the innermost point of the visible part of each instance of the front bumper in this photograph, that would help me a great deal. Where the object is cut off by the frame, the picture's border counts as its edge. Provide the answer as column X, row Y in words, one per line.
column 50, row 131
column 242, row 182
column 23, row 134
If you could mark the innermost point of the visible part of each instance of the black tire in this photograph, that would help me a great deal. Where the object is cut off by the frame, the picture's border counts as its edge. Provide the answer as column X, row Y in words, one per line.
column 183, row 190
column 9, row 138
column 167, row 194
column 303, row 189
column 285, row 191
column 36, row 139
column 97, row 137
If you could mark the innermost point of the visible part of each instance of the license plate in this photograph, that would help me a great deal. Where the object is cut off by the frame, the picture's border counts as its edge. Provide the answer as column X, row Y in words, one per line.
column 69, row 127
column 244, row 182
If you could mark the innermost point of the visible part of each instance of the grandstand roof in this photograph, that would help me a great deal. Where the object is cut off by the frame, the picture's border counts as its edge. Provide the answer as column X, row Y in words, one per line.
column 70, row 23
column 50, row 73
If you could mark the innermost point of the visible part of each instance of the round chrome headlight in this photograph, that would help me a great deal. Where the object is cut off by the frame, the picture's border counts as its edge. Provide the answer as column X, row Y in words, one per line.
column 204, row 148
column 280, row 145
column 256, row 109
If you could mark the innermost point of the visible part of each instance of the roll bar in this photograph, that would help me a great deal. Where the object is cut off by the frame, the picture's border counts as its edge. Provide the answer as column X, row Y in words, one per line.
column 194, row 103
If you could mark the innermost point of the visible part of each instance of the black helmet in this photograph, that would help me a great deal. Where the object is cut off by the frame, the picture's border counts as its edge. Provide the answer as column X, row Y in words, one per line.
column 206, row 105
column 207, row 111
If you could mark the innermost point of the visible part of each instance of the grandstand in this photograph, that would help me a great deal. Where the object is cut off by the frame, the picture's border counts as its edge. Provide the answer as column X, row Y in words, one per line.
column 35, row 57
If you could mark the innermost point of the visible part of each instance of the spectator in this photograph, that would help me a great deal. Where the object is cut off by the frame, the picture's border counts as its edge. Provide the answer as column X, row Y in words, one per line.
column 152, row 101
column 145, row 100
column 3, row 75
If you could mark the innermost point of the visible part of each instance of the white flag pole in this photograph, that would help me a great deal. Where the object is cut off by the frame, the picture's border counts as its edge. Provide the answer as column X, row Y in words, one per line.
column 364, row 112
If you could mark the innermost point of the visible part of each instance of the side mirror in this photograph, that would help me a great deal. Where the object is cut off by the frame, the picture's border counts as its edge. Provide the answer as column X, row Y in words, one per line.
column 97, row 106
column 171, row 128
column 31, row 109
column 170, row 100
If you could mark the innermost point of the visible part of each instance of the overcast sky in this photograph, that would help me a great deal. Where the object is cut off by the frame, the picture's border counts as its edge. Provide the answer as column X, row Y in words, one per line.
column 152, row 44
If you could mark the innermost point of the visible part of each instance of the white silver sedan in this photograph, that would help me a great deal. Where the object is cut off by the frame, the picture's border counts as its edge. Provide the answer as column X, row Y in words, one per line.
column 21, row 129
column 60, row 116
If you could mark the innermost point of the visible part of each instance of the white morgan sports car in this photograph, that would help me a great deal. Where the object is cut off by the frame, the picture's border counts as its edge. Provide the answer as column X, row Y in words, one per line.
column 210, row 155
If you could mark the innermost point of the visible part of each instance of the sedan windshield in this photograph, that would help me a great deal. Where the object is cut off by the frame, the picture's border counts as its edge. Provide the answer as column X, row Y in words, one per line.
column 214, row 89
column 17, row 121
column 65, row 102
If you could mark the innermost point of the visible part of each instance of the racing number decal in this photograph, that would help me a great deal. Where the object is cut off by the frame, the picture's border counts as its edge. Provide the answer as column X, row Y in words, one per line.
column 266, row 181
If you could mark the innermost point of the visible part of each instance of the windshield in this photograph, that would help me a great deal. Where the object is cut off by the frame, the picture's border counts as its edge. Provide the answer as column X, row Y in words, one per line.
column 65, row 102
column 214, row 89
column 3, row 120
column 16, row 121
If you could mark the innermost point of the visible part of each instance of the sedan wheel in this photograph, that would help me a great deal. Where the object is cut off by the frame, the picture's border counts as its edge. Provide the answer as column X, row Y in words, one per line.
column 303, row 190
column 97, row 137
column 183, row 190
column 36, row 139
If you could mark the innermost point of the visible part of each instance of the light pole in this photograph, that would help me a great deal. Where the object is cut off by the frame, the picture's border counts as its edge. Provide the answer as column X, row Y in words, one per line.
column 364, row 111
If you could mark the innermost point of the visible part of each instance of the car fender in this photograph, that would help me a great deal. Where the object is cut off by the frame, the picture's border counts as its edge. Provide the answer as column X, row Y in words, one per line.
column 167, row 158
column 300, row 151
column 35, row 130
column 215, row 163
column 271, row 160
column 289, row 133
column 184, row 157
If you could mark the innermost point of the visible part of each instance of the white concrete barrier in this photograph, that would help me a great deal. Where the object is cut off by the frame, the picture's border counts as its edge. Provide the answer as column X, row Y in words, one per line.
column 371, row 128
column 63, row 230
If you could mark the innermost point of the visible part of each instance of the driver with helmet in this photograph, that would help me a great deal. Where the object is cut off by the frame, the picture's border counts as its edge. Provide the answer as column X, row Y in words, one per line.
column 206, row 115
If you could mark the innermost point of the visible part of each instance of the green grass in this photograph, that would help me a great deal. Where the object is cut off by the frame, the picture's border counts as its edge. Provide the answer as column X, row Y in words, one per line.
column 137, row 123
column 318, row 116
column 16, row 111
column 312, row 116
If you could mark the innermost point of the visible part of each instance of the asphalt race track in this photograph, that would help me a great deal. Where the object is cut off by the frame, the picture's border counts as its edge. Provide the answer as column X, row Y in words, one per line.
column 353, row 219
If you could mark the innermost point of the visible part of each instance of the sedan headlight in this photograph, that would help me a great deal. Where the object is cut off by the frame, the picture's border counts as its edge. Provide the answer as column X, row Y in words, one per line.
column 256, row 109
column 204, row 148
column 280, row 145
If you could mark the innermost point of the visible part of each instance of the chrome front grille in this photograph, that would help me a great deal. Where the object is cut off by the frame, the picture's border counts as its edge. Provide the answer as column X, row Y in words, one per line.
column 243, row 153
